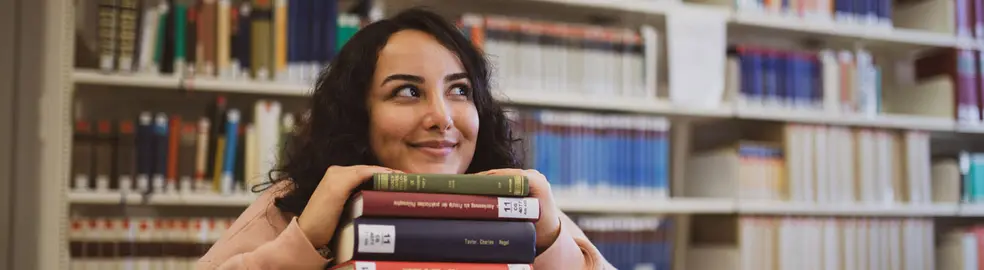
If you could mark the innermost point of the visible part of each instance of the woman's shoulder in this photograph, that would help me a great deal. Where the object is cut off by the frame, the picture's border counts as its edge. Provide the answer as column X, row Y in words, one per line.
column 261, row 222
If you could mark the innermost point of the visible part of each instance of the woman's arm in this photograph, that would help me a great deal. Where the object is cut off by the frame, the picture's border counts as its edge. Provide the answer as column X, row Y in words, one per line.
column 262, row 238
column 572, row 250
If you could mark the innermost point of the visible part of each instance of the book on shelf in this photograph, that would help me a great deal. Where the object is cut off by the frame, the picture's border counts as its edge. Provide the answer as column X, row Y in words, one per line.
column 961, row 248
column 818, row 164
column 836, row 81
column 868, row 13
column 218, row 151
column 556, row 58
column 631, row 242
column 141, row 243
column 595, row 154
column 835, row 243
column 264, row 40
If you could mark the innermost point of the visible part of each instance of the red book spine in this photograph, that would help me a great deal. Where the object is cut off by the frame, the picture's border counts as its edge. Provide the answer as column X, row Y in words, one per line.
column 391, row 265
column 450, row 206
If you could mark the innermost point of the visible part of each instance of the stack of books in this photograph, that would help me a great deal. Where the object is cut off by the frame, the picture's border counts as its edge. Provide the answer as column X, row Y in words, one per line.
column 438, row 221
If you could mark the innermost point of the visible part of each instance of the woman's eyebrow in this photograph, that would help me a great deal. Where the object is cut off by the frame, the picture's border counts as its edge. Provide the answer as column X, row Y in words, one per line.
column 455, row 77
column 403, row 77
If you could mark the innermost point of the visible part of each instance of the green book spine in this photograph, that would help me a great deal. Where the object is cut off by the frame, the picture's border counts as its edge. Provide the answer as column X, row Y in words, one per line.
column 159, row 47
column 180, row 21
column 497, row 185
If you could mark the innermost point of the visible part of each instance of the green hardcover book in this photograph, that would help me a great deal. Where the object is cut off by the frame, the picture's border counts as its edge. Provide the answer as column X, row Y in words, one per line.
column 180, row 21
column 497, row 185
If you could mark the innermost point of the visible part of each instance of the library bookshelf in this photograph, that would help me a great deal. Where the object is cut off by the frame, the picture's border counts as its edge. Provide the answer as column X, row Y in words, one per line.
column 682, row 115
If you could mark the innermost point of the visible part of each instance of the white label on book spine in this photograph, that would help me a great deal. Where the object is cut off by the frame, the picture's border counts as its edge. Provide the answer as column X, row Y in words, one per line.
column 518, row 267
column 518, row 208
column 365, row 265
column 377, row 238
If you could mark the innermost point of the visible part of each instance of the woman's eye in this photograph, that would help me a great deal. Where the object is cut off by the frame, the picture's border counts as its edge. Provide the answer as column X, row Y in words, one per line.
column 407, row 91
column 459, row 90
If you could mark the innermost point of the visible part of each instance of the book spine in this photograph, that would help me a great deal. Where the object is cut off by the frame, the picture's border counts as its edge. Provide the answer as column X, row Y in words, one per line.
column 174, row 133
column 192, row 65
column 452, row 206
column 456, row 184
column 261, row 54
column 126, row 155
column 201, row 153
column 103, row 158
column 169, row 38
column 243, row 44
column 222, row 34
column 382, row 239
column 279, row 66
column 145, row 151
column 180, row 22
column 82, row 155
column 231, row 146
column 108, row 33
column 207, row 28
column 384, row 265
column 148, row 38
column 128, row 23
column 188, row 154
column 160, row 152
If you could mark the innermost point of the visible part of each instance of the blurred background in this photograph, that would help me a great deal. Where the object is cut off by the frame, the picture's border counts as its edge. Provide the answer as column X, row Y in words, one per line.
column 704, row 134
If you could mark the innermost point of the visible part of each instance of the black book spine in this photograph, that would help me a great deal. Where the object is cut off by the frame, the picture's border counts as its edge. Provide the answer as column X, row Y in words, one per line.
column 217, row 114
column 145, row 149
column 126, row 153
column 167, row 48
column 242, row 44
column 191, row 37
column 381, row 239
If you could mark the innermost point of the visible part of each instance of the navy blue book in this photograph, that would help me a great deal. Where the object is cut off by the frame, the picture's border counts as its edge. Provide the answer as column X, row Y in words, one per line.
column 435, row 240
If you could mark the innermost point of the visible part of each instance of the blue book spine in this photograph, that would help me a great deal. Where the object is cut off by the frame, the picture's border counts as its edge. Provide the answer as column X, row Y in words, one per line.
column 229, row 159
column 804, row 93
column 755, row 74
column 331, row 30
column 886, row 9
column 305, row 31
column 860, row 8
column 814, row 80
column 293, row 37
column 591, row 144
column 772, row 72
column 744, row 64
column 657, row 173
column 145, row 146
column 791, row 93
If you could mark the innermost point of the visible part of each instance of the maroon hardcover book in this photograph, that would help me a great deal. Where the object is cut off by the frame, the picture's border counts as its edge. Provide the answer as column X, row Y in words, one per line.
column 445, row 206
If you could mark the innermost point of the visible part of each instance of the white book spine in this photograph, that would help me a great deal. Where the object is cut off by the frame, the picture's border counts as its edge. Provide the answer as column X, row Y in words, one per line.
column 809, row 165
column 850, row 244
column 650, row 68
column 823, row 183
column 831, row 81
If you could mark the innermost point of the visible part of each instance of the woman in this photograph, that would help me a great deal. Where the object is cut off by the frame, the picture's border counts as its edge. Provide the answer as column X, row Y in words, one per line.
column 406, row 94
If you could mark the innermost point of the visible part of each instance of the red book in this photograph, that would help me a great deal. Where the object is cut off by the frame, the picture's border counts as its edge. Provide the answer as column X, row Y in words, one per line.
column 381, row 265
column 446, row 206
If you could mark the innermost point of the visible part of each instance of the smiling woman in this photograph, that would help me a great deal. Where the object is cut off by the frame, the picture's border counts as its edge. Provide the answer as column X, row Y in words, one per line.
column 405, row 94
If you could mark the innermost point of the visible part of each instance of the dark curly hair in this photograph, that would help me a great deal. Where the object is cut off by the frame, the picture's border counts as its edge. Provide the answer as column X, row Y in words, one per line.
column 337, row 130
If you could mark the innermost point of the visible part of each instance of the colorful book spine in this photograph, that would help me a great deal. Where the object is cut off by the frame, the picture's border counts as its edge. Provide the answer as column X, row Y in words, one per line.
column 448, row 206
column 501, row 185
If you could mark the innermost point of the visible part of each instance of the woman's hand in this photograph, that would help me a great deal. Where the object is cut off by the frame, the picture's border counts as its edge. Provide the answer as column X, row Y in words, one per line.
column 320, row 216
column 548, row 226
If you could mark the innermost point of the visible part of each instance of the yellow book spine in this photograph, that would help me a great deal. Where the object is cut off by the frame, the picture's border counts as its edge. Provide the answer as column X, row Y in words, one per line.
column 217, row 171
column 280, row 33
column 222, row 38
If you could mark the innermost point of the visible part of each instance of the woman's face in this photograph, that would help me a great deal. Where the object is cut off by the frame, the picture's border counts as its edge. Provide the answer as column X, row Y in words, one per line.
column 422, row 119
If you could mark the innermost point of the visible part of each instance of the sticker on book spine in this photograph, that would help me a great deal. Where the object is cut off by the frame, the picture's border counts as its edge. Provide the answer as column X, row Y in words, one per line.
column 365, row 266
column 518, row 208
column 518, row 267
column 377, row 238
